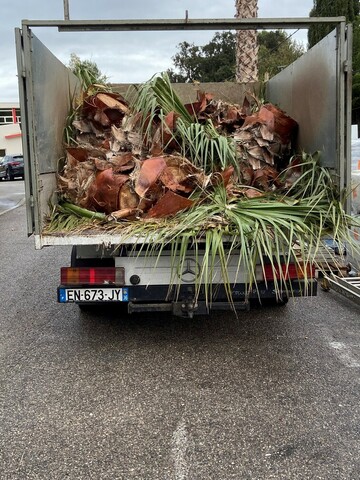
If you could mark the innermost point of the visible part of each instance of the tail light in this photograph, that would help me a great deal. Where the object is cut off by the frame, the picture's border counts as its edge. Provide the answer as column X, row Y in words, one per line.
column 93, row 276
column 289, row 272
column 14, row 164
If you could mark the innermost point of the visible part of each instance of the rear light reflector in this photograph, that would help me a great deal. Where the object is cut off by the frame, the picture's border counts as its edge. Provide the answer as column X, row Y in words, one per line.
column 289, row 272
column 93, row 276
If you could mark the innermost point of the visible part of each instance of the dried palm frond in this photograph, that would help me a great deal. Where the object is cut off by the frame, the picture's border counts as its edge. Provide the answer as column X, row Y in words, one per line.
column 282, row 228
column 205, row 186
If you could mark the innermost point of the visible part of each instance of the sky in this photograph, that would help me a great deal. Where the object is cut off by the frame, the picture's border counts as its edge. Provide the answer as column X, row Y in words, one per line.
column 124, row 57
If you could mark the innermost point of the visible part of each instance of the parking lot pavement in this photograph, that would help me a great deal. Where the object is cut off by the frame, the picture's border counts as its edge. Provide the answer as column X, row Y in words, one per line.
column 274, row 394
column 12, row 195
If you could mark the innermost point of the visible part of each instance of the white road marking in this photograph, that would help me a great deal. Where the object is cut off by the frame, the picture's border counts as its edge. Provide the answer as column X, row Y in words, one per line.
column 179, row 449
column 6, row 206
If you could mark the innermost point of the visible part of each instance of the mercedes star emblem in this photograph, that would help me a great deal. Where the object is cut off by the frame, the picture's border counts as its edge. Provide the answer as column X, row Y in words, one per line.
column 190, row 270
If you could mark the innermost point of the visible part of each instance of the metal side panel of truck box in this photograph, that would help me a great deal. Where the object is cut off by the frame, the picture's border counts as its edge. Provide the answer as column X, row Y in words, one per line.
column 313, row 90
column 46, row 88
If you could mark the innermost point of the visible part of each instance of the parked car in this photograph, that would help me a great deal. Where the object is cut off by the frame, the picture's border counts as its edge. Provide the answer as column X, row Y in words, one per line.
column 12, row 166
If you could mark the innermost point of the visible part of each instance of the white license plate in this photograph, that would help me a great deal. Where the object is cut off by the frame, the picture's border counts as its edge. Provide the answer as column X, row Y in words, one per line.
column 93, row 295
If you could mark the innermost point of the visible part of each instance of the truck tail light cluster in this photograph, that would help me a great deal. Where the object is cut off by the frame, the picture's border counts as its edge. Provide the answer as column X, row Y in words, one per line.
column 93, row 276
column 291, row 271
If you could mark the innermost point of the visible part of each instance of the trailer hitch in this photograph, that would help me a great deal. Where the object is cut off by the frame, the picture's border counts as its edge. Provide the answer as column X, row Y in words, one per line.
column 187, row 308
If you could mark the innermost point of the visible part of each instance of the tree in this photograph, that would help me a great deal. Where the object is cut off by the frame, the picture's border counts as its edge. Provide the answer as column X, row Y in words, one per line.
column 276, row 51
column 246, row 44
column 350, row 9
column 87, row 71
column 215, row 61
column 330, row 8
column 356, row 73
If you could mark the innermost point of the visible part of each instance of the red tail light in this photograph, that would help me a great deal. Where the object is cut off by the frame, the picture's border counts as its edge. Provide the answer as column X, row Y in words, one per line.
column 289, row 272
column 93, row 276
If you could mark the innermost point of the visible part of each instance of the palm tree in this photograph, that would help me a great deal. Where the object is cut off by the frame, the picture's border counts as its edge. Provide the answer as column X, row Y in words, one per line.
column 246, row 48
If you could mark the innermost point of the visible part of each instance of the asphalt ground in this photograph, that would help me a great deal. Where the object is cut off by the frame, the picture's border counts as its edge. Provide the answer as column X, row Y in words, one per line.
column 12, row 194
column 273, row 394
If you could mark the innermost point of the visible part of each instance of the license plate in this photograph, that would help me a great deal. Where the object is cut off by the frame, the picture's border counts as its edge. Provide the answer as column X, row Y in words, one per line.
column 93, row 295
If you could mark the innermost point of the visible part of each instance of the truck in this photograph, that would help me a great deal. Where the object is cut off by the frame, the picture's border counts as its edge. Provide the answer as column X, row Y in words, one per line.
column 106, row 268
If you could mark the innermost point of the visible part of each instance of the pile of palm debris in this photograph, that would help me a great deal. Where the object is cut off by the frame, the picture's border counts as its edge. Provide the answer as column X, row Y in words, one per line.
column 133, row 163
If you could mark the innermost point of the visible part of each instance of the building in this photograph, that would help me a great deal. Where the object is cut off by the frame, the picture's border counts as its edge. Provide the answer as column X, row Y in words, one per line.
column 10, row 131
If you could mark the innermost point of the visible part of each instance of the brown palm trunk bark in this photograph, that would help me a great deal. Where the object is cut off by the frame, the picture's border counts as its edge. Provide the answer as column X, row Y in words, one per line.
column 246, row 47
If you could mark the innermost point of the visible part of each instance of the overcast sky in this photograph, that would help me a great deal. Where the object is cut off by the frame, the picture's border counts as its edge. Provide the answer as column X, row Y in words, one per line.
column 121, row 56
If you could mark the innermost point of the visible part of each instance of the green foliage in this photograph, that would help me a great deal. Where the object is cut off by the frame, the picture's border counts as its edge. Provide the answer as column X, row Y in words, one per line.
column 215, row 61
column 206, row 147
column 330, row 8
column 276, row 51
column 201, row 143
column 87, row 72
column 356, row 99
column 351, row 10
column 356, row 73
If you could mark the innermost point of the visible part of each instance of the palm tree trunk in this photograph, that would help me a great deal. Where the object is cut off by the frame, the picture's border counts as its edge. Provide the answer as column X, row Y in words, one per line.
column 246, row 47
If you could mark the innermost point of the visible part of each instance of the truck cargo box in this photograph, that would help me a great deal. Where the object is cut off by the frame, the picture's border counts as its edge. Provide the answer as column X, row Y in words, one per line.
column 112, row 267
column 314, row 90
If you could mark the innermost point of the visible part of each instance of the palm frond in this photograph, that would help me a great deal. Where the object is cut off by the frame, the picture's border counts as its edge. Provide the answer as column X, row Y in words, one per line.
column 205, row 147
column 281, row 227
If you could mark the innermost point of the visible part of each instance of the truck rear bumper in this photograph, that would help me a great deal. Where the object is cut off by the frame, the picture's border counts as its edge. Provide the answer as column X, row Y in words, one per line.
column 184, row 300
column 239, row 291
column 187, row 308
